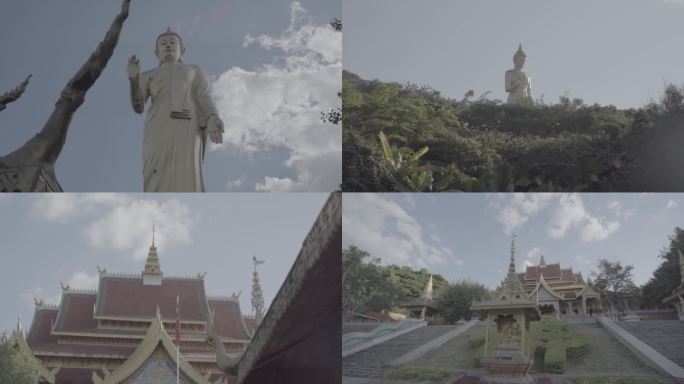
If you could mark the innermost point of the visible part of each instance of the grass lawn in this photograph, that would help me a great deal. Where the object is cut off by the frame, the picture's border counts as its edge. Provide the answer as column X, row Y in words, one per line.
column 606, row 356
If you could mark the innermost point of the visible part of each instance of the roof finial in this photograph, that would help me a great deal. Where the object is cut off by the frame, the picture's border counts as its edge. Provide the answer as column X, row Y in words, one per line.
column 511, row 266
column 152, row 274
column 541, row 260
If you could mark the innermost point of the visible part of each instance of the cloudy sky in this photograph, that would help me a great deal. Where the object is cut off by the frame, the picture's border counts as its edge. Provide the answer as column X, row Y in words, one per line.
column 469, row 235
column 55, row 238
column 618, row 52
column 274, row 64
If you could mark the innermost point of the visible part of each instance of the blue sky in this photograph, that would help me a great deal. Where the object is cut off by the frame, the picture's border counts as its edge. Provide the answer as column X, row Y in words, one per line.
column 274, row 66
column 468, row 236
column 55, row 238
column 618, row 52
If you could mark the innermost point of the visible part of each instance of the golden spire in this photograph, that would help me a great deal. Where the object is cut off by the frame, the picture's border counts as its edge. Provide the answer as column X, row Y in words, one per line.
column 152, row 273
column 511, row 265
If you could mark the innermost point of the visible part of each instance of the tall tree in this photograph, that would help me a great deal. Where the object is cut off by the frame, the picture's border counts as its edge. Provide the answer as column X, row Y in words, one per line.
column 615, row 280
column 14, row 367
column 365, row 285
column 667, row 276
column 454, row 302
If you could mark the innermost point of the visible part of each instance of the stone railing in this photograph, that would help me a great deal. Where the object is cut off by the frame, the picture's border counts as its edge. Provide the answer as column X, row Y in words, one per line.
column 357, row 341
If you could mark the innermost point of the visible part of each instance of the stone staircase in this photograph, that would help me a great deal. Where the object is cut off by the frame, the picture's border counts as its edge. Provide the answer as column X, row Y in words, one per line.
column 665, row 336
column 368, row 363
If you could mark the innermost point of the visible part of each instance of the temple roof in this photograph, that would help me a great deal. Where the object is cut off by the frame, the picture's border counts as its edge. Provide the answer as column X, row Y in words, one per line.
column 250, row 323
column 228, row 320
column 76, row 313
column 549, row 271
column 156, row 338
column 41, row 327
column 510, row 294
column 127, row 297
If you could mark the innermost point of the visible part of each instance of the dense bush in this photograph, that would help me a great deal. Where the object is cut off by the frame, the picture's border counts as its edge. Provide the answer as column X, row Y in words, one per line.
column 554, row 357
column 483, row 145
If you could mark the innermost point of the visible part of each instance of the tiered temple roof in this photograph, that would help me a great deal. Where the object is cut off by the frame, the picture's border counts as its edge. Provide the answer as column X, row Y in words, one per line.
column 98, row 331
column 562, row 281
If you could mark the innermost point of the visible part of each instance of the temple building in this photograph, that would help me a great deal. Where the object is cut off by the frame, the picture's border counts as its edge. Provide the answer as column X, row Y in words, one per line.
column 124, row 331
column 559, row 290
column 423, row 307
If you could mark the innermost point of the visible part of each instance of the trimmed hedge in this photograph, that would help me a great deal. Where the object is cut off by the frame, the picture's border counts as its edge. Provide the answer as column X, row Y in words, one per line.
column 554, row 357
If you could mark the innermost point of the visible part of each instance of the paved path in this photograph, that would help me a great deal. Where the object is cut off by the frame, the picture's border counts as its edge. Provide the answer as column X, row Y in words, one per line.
column 368, row 363
column 666, row 337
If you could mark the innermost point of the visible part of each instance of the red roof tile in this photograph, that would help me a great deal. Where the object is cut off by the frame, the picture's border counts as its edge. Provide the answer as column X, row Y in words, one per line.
column 250, row 324
column 568, row 275
column 549, row 271
column 228, row 319
column 76, row 313
column 41, row 327
column 128, row 297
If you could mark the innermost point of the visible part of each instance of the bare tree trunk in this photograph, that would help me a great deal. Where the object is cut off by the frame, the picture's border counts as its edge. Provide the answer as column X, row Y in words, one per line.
column 31, row 167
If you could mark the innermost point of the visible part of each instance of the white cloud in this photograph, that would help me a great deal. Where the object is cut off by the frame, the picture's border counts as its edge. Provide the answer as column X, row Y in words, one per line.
column 78, row 280
column 122, row 223
column 514, row 210
column 232, row 185
column 671, row 204
column 127, row 227
column 582, row 261
column 62, row 207
column 384, row 229
column 570, row 214
column 83, row 280
column 279, row 105
column 532, row 257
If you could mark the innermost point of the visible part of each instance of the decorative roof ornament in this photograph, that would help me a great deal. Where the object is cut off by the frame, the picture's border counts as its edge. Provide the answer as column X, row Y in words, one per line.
column 542, row 262
column 257, row 293
column 511, row 294
column 511, row 265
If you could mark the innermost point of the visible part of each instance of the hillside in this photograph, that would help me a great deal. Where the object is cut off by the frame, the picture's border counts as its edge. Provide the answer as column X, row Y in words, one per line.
column 434, row 143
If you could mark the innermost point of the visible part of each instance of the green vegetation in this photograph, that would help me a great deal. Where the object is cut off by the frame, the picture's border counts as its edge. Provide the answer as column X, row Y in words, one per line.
column 420, row 374
column 484, row 145
column 14, row 367
column 455, row 300
column 554, row 358
column 615, row 281
column 667, row 276
column 368, row 286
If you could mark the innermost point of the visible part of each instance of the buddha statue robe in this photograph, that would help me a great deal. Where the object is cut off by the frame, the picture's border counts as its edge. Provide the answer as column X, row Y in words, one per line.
column 175, row 127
